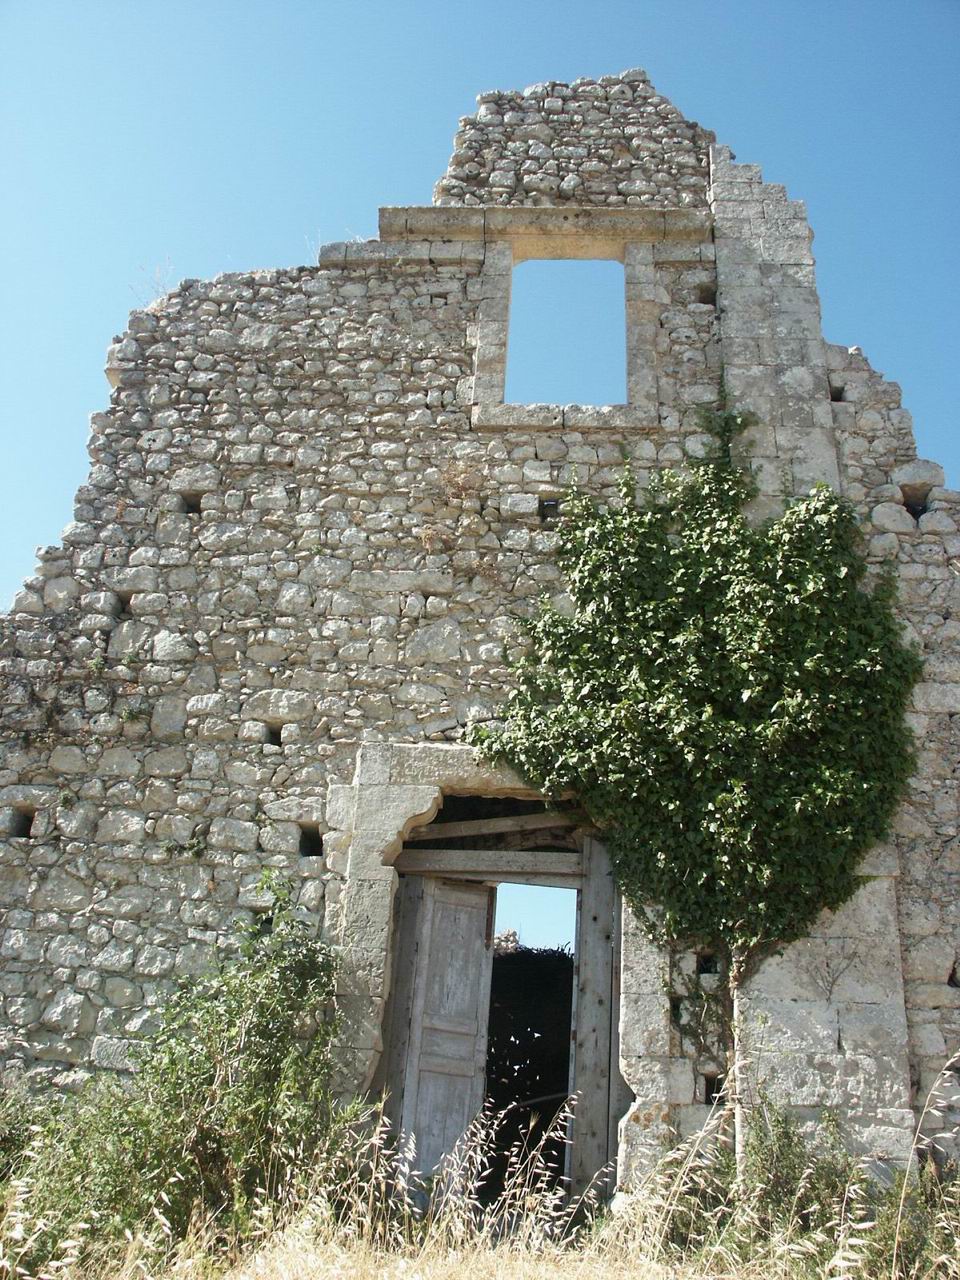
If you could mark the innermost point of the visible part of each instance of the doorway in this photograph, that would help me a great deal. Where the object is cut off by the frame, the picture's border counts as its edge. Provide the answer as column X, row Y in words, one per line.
column 530, row 1024
column 463, row 1022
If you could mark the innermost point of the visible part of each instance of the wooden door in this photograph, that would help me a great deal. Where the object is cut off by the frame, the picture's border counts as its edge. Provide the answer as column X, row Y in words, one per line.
column 602, row 1095
column 449, row 999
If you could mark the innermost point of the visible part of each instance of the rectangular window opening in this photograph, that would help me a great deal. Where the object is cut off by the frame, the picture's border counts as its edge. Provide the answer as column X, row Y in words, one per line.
column 549, row 510
column 20, row 823
column 567, row 336
column 311, row 841
column 191, row 503
column 713, row 1089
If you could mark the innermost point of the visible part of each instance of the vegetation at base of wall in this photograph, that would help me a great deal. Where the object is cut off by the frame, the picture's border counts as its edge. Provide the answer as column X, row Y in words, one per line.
column 724, row 699
column 807, row 1211
column 229, row 1104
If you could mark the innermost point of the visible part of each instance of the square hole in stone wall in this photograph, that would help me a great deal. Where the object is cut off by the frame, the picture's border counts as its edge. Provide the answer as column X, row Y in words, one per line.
column 17, row 823
column 712, row 1088
column 191, row 503
column 311, row 841
column 567, row 337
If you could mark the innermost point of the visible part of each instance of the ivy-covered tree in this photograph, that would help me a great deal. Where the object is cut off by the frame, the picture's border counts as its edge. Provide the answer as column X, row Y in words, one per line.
column 725, row 701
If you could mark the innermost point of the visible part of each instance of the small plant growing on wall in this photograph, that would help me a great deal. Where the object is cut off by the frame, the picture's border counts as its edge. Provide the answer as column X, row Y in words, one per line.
column 725, row 700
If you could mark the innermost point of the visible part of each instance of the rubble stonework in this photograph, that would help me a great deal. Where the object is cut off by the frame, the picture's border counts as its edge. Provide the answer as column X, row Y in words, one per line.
column 309, row 524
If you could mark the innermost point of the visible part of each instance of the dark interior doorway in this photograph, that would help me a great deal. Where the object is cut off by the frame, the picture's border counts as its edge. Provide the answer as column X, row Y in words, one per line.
column 528, row 1051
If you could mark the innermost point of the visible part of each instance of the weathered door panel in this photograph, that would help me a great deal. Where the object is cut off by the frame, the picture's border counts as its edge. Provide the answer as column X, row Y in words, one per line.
column 595, row 1076
column 443, row 1082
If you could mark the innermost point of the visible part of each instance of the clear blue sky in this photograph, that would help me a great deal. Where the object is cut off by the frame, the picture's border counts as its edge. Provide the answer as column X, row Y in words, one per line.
column 142, row 144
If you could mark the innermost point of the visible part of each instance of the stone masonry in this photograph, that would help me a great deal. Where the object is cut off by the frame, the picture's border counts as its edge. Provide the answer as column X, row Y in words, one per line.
column 309, row 525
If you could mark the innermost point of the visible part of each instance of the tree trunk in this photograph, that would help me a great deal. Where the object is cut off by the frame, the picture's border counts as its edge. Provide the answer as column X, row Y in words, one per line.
column 737, row 1075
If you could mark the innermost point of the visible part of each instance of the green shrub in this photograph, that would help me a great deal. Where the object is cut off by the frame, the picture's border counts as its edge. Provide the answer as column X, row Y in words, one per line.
column 230, row 1100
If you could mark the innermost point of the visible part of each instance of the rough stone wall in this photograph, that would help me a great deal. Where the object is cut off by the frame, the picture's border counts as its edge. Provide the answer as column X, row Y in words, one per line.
column 913, row 525
column 613, row 141
column 309, row 524
column 290, row 541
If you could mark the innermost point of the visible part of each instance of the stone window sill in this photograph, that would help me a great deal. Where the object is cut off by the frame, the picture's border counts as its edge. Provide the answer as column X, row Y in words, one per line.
column 503, row 417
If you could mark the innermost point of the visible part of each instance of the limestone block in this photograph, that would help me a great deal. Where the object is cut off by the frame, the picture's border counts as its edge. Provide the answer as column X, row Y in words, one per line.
column 120, row 826
column 878, row 1029
column 888, row 1135
column 129, row 637
column 936, row 522
column 22, row 1013
column 815, row 969
column 929, row 959
column 435, row 642
column 919, row 474
column 453, row 767
column 170, row 646
column 169, row 762
column 340, row 805
column 113, row 1052
column 65, row 1012
column 169, row 716
column 202, row 478
column 193, row 959
column 393, row 810
column 931, row 697
column 68, row 760
column 116, row 957
column 280, row 837
column 153, row 962
column 648, row 1078
column 780, row 1027
column 121, row 994
column 60, row 593
column 67, row 952
column 60, row 891
column 129, row 902
column 229, row 833
column 644, row 968
column 893, row 518
column 278, row 706
column 645, row 1025
column 326, row 571
column 132, row 578
column 118, row 762
column 27, row 602
column 295, row 809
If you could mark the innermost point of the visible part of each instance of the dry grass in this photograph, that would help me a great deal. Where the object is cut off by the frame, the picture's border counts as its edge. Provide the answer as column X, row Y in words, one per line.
column 361, row 1221
column 365, row 1215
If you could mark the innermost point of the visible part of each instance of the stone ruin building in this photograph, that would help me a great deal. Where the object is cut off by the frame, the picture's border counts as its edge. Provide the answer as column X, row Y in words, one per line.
column 309, row 525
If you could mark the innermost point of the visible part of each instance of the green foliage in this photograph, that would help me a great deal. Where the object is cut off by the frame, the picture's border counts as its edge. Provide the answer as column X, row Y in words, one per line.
column 230, row 1100
column 17, row 1109
column 725, row 701
column 813, row 1198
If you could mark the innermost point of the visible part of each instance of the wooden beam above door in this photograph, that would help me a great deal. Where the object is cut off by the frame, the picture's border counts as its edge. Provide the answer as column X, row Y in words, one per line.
column 493, row 826
column 524, row 866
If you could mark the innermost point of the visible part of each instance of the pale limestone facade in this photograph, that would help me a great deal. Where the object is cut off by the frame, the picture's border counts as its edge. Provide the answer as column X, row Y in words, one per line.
column 309, row 523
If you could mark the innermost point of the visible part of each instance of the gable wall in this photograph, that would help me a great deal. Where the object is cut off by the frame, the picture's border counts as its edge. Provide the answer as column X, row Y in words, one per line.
column 368, row 529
